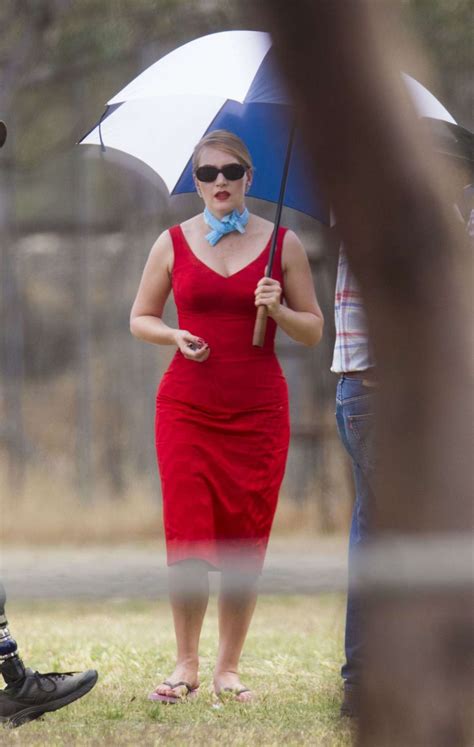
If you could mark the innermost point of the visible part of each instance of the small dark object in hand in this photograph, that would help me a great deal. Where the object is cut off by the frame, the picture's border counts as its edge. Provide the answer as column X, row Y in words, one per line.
column 196, row 345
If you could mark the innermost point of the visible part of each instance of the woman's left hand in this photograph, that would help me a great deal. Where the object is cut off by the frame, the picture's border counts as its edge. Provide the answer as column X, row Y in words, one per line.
column 268, row 293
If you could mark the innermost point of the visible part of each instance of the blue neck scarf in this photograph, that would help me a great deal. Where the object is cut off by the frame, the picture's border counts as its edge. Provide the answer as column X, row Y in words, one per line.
column 233, row 221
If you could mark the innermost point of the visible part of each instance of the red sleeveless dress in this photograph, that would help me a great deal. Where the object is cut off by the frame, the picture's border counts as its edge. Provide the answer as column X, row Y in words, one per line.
column 222, row 426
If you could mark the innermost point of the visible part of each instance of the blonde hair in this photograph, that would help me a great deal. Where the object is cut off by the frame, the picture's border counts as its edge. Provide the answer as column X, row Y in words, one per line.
column 226, row 141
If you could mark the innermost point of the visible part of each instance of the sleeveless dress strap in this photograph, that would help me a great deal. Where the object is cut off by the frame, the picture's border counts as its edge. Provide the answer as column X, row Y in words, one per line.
column 177, row 238
column 179, row 246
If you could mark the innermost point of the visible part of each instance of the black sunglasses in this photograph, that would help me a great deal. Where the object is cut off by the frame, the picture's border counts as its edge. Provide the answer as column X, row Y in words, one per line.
column 231, row 171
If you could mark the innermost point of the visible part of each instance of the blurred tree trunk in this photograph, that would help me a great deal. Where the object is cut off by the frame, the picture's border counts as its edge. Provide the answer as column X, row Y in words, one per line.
column 394, row 210
column 82, row 310
column 12, row 338
column 25, row 23
column 116, row 378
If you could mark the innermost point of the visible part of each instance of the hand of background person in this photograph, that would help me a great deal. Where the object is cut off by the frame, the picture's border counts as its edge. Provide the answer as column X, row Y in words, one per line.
column 193, row 348
column 268, row 293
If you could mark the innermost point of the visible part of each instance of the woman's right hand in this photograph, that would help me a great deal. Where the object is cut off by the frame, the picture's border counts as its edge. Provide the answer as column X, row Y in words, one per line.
column 193, row 348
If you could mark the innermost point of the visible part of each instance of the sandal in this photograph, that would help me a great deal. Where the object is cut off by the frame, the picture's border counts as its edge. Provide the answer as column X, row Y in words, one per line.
column 190, row 693
column 235, row 692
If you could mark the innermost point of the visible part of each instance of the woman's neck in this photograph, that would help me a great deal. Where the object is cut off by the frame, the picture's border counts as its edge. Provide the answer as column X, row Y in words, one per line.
column 220, row 214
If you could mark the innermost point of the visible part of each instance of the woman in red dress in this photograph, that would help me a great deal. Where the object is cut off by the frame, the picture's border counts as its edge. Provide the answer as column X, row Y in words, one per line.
column 222, row 423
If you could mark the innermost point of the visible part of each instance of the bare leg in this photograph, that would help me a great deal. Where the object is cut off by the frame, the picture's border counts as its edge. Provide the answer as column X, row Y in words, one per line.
column 189, row 595
column 236, row 605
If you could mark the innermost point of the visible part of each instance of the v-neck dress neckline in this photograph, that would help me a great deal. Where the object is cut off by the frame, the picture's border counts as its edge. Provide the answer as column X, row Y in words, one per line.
column 211, row 269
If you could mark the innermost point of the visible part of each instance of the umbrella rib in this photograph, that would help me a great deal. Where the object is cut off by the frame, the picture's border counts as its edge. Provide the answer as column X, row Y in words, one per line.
column 209, row 129
column 109, row 109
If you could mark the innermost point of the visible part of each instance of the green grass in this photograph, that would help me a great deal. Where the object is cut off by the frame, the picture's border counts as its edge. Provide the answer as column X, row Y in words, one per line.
column 291, row 660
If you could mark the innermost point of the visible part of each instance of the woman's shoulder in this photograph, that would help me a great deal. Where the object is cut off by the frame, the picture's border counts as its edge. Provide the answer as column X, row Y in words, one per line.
column 164, row 241
column 191, row 228
column 191, row 223
column 262, row 225
column 293, row 251
column 161, row 253
column 291, row 238
column 174, row 233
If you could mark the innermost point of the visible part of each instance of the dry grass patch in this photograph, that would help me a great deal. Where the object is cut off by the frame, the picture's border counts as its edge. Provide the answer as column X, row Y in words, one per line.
column 291, row 660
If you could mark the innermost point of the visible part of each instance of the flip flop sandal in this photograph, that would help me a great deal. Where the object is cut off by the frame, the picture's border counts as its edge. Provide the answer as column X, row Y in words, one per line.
column 235, row 691
column 190, row 693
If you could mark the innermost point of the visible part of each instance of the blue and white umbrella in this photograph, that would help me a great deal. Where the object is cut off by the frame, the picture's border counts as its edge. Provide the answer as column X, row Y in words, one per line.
column 221, row 81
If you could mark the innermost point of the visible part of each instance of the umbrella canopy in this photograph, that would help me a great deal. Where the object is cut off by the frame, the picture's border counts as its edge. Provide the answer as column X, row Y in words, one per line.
column 227, row 81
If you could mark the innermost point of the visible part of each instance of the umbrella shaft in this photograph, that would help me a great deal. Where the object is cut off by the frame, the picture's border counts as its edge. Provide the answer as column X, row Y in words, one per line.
column 281, row 197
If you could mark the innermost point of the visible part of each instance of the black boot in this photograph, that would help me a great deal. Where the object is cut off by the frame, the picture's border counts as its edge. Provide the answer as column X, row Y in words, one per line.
column 39, row 693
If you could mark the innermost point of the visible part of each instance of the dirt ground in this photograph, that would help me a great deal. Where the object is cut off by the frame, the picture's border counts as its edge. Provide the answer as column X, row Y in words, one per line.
column 295, row 566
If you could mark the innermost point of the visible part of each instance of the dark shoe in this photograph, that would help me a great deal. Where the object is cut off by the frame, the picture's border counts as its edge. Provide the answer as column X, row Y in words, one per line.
column 39, row 693
column 350, row 702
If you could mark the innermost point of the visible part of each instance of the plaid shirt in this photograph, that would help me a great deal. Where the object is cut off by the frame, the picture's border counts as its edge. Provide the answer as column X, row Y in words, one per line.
column 351, row 351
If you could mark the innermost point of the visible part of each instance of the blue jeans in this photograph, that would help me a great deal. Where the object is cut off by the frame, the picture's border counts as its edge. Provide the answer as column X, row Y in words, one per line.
column 355, row 408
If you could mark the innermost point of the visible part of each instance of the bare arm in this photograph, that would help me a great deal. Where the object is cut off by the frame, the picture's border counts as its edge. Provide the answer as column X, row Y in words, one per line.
column 302, row 318
column 155, row 286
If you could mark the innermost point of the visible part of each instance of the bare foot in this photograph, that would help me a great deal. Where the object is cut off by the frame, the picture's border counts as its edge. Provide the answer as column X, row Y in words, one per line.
column 185, row 672
column 228, row 684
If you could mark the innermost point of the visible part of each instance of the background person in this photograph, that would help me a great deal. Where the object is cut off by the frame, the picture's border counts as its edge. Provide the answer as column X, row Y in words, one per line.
column 355, row 415
column 222, row 426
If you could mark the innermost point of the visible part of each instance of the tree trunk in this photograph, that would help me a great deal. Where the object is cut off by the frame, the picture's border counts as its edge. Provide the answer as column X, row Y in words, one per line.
column 83, row 420
column 12, row 339
column 394, row 210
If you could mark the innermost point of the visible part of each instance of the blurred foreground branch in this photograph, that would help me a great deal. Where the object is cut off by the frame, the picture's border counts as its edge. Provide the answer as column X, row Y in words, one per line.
column 394, row 209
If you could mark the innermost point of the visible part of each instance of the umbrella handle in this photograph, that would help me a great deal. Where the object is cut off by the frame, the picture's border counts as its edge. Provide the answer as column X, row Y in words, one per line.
column 262, row 312
column 260, row 327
